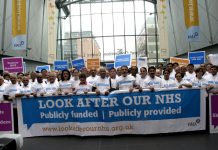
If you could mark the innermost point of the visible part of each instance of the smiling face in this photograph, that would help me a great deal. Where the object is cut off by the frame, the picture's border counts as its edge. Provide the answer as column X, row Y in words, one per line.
column 178, row 77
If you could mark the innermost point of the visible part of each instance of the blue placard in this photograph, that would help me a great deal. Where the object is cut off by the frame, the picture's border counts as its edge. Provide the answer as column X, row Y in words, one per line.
column 60, row 64
column 197, row 58
column 123, row 60
column 78, row 63
column 109, row 65
column 136, row 106
column 46, row 67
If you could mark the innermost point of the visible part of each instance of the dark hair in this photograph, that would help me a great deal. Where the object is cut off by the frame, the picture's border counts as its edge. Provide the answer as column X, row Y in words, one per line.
column 62, row 74
column 175, row 63
column 151, row 67
column 143, row 68
column 112, row 68
column 134, row 67
column 20, row 73
column 199, row 70
column 182, row 75
column 190, row 65
column 82, row 75
column 214, row 66
column 166, row 70
column 75, row 70
column 43, row 70
column 124, row 67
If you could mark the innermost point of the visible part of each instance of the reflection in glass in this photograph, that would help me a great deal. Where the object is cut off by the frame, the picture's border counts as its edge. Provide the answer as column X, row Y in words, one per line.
column 104, row 29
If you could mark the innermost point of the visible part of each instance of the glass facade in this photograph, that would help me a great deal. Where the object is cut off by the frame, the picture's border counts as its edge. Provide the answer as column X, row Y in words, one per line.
column 104, row 28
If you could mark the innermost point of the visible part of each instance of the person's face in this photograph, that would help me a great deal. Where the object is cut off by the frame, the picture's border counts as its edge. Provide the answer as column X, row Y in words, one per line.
column 52, row 78
column 124, row 71
column 183, row 69
column 178, row 77
column 13, row 80
column 33, row 75
column 119, row 71
column 152, row 73
column 102, row 73
column 166, row 75
column 65, row 75
column 209, row 68
column 25, row 81
column 1, row 81
column 143, row 72
column 82, row 80
column 75, row 73
column 178, row 70
column 190, row 69
column 112, row 73
column 39, row 78
column 44, row 73
column 199, row 74
column 93, row 72
column 203, row 67
column 170, row 67
column 7, row 77
column 134, row 70
column 214, row 71
column 19, row 79
column 158, row 73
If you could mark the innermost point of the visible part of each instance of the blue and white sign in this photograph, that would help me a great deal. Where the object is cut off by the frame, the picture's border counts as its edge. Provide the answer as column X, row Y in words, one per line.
column 142, row 62
column 60, row 64
column 46, row 67
column 120, row 112
column 109, row 65
column 197, row 58
column 123, row 60
column 78, row 63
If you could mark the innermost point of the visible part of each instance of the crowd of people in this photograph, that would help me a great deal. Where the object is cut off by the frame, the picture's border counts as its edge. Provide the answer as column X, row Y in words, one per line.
column 103, row 81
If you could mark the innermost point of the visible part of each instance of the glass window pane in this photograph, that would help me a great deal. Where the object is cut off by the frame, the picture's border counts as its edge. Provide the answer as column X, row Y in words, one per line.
column 107, row 25
column 66, row 50
column 128, row 6
column 87, row 47
column 118, row 24
column 119, row 45
column 86, row 23
column 117, row 6
column 97, row 25
column 75, row 9
column 99, row 44
column 149, row 7
column 129, row 24
column 106, row 7
column 130, row 46
column 75, row 48
column 85, row 9
column 75, row 25
column 65, row 27
column 59, row 50
column 140, row 23
column 141, row 46
column 139, row 6
column 108, row 48
column 96, row 8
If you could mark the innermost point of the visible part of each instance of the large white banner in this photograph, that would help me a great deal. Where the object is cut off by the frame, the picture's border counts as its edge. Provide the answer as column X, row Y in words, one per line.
column 120, row 112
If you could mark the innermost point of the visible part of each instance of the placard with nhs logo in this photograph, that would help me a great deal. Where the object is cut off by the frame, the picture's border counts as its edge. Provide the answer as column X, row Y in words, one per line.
column 78, row 63
column 123, row 60
column 197, row 58
column 60, row 64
